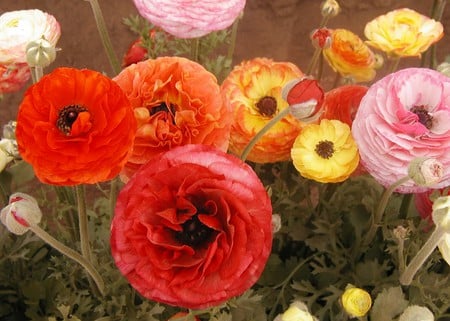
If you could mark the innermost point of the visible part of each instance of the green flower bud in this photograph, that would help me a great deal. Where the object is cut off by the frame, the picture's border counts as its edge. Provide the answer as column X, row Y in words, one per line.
column 40, row 53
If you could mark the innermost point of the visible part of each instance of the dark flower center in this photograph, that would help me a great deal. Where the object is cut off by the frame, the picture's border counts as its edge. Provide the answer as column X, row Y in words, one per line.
column 424, row 117
column 162, row 107
column 325, row 149
column 267, row 106
column 194, row 232
column 67, row 116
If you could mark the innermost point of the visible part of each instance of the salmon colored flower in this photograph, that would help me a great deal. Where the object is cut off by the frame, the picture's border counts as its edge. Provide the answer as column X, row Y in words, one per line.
column 325, row 152
column 190, row 19
column 403, row 33
column 349, row 56
column 341, row 103
column 18, row 28
column 176, row 102
column 13, row 77
column 75, row 126
column 404, row 116
column 192, row 228
column 253, row 89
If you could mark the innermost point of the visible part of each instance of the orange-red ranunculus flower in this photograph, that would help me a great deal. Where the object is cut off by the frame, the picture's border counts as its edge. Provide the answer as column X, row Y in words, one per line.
column 75, row 126
column 253, row 89
column 341, row 103
column 176, row 102
column 350, row 56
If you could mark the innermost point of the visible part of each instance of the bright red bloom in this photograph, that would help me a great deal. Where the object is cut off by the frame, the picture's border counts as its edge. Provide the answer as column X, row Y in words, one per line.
column 75, row 126
column 192, row 227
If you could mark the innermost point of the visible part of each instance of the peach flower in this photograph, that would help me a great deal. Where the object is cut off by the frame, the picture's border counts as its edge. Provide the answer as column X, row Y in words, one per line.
column 404, row 116
column 176, row 102
column 403, row 33
column 253, row 89
column 190, row 19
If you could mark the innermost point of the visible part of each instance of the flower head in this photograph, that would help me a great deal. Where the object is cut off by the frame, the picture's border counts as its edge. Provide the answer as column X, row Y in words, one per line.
column 330, row 8
column 403, row 116
column 253, row 90
column 193, row 19
column 356, row 302
column 192, row 228
column 75, row 126
column 21, row 211
column 18, row 28
column 321, row 38
column 350, row 56
column 325, row 152
column 297, row 311
column 176, row 102
column 403, row 33
column 13, row 77
column 416, row 313
column 425, row 171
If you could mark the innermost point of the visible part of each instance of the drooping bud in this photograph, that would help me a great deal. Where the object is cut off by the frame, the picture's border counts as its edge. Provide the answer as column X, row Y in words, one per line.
column 425, row 171
column 21, row 211
column 356, row 302
column 330, row 8
column 40, row 53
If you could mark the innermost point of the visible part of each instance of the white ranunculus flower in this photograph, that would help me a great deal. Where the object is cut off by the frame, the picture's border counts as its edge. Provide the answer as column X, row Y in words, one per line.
column 18, row 28
column 416, row 313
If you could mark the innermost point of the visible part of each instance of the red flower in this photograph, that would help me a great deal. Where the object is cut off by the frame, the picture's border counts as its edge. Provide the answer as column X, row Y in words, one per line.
column 75, row 126
column 135, row 53
column 192, row 227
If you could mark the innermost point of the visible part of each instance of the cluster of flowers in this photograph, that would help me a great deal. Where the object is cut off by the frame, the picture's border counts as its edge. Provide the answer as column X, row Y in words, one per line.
column 193, row 223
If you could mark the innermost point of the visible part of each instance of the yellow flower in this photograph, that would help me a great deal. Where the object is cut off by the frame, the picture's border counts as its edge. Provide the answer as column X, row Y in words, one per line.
column 325, row 152
column 356, row 302
column 253, row 89
column 350, row 56
column 403, row 33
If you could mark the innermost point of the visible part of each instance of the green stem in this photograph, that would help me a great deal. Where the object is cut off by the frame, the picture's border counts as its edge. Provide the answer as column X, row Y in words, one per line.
column 83, row 222
column 36, row 73
column 103, row 31
column 47, row 238
column 113, row 195
column 394, row 64
column 314, row 60
column 263, row 131
column 233, row 37
column 421, row 256
column 195, row 49
column 381, row 207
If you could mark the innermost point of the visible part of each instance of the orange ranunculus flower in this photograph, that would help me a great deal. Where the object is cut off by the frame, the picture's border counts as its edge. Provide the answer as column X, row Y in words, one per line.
column 176, row 102
column 403, row 33
column 350, row 56
column 75, row 126
column 253, row 89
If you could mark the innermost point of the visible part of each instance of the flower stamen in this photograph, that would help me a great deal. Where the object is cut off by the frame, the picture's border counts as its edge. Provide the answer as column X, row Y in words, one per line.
column 267, row 106
column 194, row 232
column 162, row 107
column 67, row 116
column 325, row 149
column 424, row 117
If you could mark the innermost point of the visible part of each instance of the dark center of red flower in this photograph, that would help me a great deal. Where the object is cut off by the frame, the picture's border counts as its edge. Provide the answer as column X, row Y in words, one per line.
column 267, row 106
column 194, row 232
column 424, row 117
column 67, row 116
column 162, row 107
column 325, row 149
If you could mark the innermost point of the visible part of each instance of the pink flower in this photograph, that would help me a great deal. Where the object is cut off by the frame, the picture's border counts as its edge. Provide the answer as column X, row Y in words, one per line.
column 13, row 77
column 192, row 228
column 403, row 116
column 190, row 19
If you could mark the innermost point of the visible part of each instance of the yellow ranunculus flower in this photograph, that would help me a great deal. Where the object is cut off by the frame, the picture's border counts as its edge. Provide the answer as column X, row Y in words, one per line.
column 403, row 33
column 356, row 302
column 325, row 152
column 350, row 56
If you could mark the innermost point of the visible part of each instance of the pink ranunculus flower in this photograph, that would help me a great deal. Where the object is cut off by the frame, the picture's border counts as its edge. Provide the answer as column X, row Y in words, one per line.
column 13, row 77
column 18, row 28
column 403, row 116
column 190, row 19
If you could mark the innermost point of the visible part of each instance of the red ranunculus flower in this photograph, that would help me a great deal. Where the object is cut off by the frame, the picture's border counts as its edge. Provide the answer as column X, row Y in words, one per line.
column 75, row 126
column 192, row 227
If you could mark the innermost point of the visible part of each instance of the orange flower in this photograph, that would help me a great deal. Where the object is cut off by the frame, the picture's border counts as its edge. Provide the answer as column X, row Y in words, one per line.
column 176, row 102
column 253, row 89
column 350, row 56
column 75, row 126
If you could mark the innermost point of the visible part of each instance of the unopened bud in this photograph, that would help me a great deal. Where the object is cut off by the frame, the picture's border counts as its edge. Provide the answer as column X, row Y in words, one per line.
column 40, row 53
column 21, row 211
column 415, row 312
column 330, row 8
column 356, row 302
column 425, row 171
column 321, row 38
column 276, row 223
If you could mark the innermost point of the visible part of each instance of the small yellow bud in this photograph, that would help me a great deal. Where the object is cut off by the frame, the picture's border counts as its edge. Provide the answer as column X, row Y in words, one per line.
column 40, row 53
column 356, row 302
column 330, row 8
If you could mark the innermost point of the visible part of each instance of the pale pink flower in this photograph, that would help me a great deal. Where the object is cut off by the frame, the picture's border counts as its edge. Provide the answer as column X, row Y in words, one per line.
column 403, row 116
column 18, row 28
column 13, row 77
column 190, row 18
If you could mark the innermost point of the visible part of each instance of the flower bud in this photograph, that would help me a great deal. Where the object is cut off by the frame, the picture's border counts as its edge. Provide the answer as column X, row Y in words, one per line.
column 40, row 53
column 21, row 211
column 330, row 8
column 321, row 38
column 356, row 302
column 415, row 312
column 9, row 130
column 276, row 223
column 425, row 171
column 305, row 98
column 297, row 311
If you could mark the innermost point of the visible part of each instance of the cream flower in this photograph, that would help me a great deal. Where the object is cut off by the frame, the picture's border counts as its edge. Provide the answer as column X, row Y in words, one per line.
column 21, row 211
column 416, row 313
column 18, row 28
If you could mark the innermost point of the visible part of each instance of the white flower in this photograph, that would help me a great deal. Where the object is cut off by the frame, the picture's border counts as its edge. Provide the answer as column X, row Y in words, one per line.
column 21, row 211
column 8, row 149
column 297, row 311
column 416, row 313
column 18, row 28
